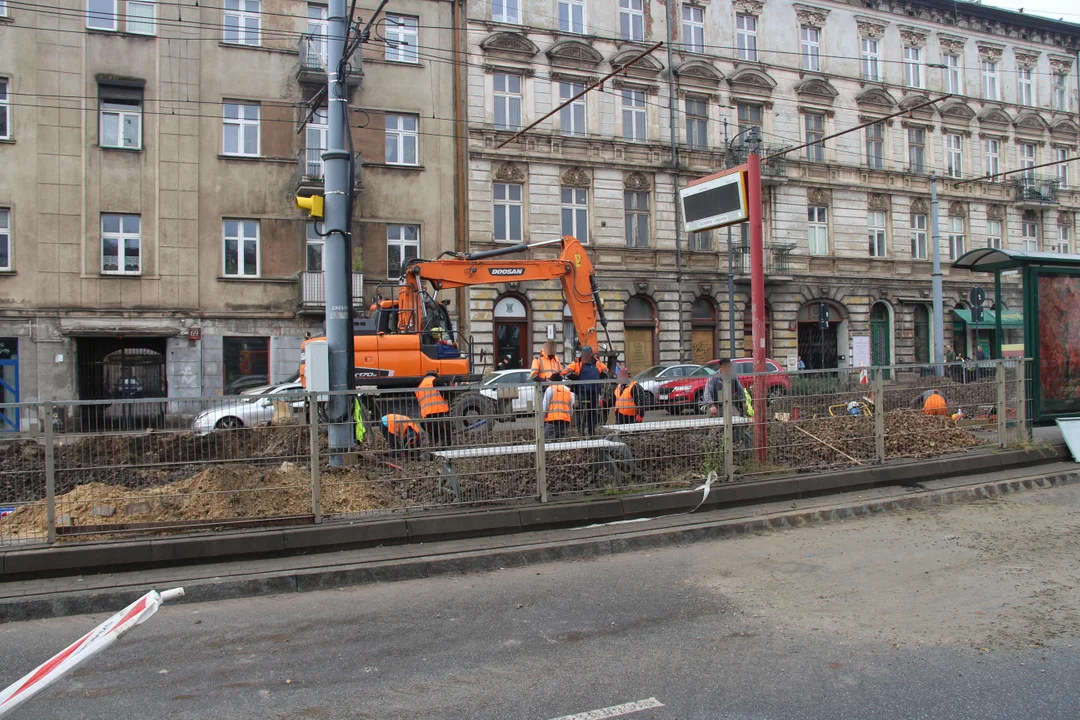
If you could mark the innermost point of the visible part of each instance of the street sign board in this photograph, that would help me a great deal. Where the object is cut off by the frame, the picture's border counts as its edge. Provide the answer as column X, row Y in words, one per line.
column 715, row 201
column 977, row 296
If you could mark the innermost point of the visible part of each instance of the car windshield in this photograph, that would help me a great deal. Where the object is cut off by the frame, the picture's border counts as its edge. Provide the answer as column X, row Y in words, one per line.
column 650, row 373
column 704, row 371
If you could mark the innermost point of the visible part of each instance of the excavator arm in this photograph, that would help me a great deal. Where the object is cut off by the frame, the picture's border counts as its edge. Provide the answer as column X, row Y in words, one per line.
column 572, row 268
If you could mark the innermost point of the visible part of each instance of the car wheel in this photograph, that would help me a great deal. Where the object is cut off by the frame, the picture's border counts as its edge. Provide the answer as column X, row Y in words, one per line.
column 229, row 423
column 775, row 393
column 699, row 403
column 474, row 412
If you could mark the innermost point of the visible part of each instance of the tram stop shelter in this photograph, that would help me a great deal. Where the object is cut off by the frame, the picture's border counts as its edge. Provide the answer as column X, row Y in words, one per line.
column 1051, row 322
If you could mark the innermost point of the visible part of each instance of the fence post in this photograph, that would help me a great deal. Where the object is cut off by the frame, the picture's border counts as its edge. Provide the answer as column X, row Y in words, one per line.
column 316, row 483
column 1001, row 408
column 879, row 415
column 729, row 435
column 1021, row 398
column 538, row 424
column 50, row 472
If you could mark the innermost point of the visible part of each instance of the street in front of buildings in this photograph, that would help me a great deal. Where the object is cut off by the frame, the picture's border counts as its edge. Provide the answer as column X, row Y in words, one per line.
column 961, row 611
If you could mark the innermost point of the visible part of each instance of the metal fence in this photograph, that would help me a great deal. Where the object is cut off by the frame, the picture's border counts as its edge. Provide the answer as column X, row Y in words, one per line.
column 109, row 469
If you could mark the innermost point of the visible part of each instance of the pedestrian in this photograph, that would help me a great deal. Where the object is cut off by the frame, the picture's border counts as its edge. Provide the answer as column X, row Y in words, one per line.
column 714, row 390
column 401, row 433
column 434, row 410
column 546, row 363
column 589, row 371
column 802, row 365
column 558, row 406
column 629, row 399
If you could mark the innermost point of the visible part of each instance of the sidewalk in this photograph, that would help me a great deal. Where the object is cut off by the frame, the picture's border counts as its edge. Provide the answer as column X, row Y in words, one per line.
column 31, row 599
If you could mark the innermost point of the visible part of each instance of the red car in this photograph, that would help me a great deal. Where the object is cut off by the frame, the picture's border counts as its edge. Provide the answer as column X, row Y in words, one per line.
column 688, row 393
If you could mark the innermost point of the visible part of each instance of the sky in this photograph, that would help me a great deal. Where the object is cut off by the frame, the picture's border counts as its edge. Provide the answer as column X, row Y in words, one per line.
column 1067, row 10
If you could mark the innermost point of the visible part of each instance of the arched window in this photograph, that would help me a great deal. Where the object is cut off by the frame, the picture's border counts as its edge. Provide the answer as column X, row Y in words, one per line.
column 639, row 320
column 820, row 346
column 511, row 329
column 880, row 334
column 702, row 330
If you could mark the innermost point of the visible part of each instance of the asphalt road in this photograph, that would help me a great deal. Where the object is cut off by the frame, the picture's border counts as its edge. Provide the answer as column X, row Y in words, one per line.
column 968, row 611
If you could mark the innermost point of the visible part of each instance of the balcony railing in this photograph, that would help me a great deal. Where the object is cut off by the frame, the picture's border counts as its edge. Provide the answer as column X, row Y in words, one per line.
column 772, row 168
column 310, row 170
column 777, row 259
column 1033, row 190
column 313, row 61
column 313, row 290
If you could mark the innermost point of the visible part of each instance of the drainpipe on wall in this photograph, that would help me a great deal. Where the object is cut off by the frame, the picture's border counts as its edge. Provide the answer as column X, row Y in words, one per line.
column 461, row 149
column 674, row 131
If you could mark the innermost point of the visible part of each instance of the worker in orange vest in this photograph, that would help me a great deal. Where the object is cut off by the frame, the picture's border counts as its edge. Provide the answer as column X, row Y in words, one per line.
column 934, row 404
column 629, row 399
column 546, row 363
column 401, row 433
column 434, row 409
column 558, row 408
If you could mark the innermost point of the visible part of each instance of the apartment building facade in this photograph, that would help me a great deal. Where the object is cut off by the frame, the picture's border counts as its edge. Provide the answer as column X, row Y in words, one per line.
column 149, row 158
column 846, row 220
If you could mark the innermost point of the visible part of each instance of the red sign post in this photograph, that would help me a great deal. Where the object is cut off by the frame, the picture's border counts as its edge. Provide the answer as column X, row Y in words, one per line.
column 757, row 298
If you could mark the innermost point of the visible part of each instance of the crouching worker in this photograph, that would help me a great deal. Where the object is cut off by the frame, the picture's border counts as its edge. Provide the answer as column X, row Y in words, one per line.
column 933, row 403
column 401, row 433
column 629, row 399
column 559, row 405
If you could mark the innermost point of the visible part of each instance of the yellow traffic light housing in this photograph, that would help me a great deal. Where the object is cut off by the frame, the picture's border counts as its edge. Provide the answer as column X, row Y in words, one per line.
column 313, row 204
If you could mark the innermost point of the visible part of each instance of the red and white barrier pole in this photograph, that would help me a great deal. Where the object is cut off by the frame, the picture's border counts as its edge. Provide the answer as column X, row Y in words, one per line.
column 83, row 649
column 757, row 298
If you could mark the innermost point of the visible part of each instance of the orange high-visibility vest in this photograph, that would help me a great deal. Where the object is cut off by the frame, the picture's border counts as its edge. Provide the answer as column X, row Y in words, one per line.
column 559, row 407
column 431, row 401
column 624, row 400
column 542, row 367
column 400, row 425
column 935, row 405
column 575, row 367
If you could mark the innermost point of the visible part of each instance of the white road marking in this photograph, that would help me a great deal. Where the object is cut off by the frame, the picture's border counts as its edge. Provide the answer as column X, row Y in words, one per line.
column 615, row 710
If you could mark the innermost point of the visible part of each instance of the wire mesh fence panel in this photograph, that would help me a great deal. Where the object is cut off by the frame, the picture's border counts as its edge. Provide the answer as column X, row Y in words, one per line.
column 22, row 477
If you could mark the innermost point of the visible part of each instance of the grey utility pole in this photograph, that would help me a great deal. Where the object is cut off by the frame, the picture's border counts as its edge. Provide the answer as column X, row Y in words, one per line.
column 939, row 312
column 730, row 265
column 673, row 122
column 338, row 267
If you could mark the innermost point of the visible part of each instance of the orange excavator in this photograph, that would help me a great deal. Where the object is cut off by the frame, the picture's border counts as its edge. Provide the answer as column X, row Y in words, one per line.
column 395, row 347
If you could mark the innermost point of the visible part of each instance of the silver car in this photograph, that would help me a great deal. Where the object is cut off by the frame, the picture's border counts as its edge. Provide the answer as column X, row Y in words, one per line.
column 253, row 407
column 650, row 380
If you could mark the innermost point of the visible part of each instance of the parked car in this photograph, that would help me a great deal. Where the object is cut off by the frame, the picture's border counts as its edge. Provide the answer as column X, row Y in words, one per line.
column 513, row 383
column 651, row 379
column 253, row 407
column 688, row 393
column 246, row 382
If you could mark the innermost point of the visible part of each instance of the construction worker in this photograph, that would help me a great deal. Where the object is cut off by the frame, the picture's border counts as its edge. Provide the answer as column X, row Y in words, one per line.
column 714, row 391
column 444, row 346
column 559, row 405
column 934, row 404
column 588, row 369
column 401, row 433
column 629, row 399
column 546, row 363
column 434, row 409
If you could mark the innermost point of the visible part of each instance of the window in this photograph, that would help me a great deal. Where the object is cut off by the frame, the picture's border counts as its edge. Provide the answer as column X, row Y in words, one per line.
column 507, row 11
column 572, row 16
column 701, row 240
column 697, row 124
column 402, row 245
column 120, row 245
column 916, row 150
column 992, row 157
column 954, row 149
column 140, row 18
column 990, row 81
column 747, row 37
column 879, row 243
column 871, row 59
column 240, row 128
column 401, row 38
column 1027, row 160
column 693, row 28
column 1060, row 92
column 314, row 249
column 245, row 357
column 918, row 236
column 1064, row 240
column 5, row 110
column 957, row 245
column 817, row 228
column 631, row 20
column 993, row 234
column 241, row 248
column 913, row 66
column 508, row 211
column 5, row 239
column 952, row 74
column 749, row 116
column 637, row 219
column 3, row 8
column 815, row 131
column 1062, row 168
column 316, row 135
column 101, row 14
column 401, row 139
column 507, row 101
column 317, row 28
column 572, row 117
column 875, row 146
column 1025, row 86
column 575, row 213
column 1029, row 232
column 120, row 124
column 811, row 48
column 242, row 22
column 633, row 115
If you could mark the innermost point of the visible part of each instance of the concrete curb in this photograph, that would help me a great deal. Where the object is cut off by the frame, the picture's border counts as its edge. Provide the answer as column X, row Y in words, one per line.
column 326, row 578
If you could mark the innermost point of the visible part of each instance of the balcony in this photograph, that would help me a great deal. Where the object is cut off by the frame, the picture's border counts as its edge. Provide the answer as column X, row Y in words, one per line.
column 1035, row 192
column 773, row 171
column 313, row 291
column 777, row 260
column 313, row 59
column 310, row 171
